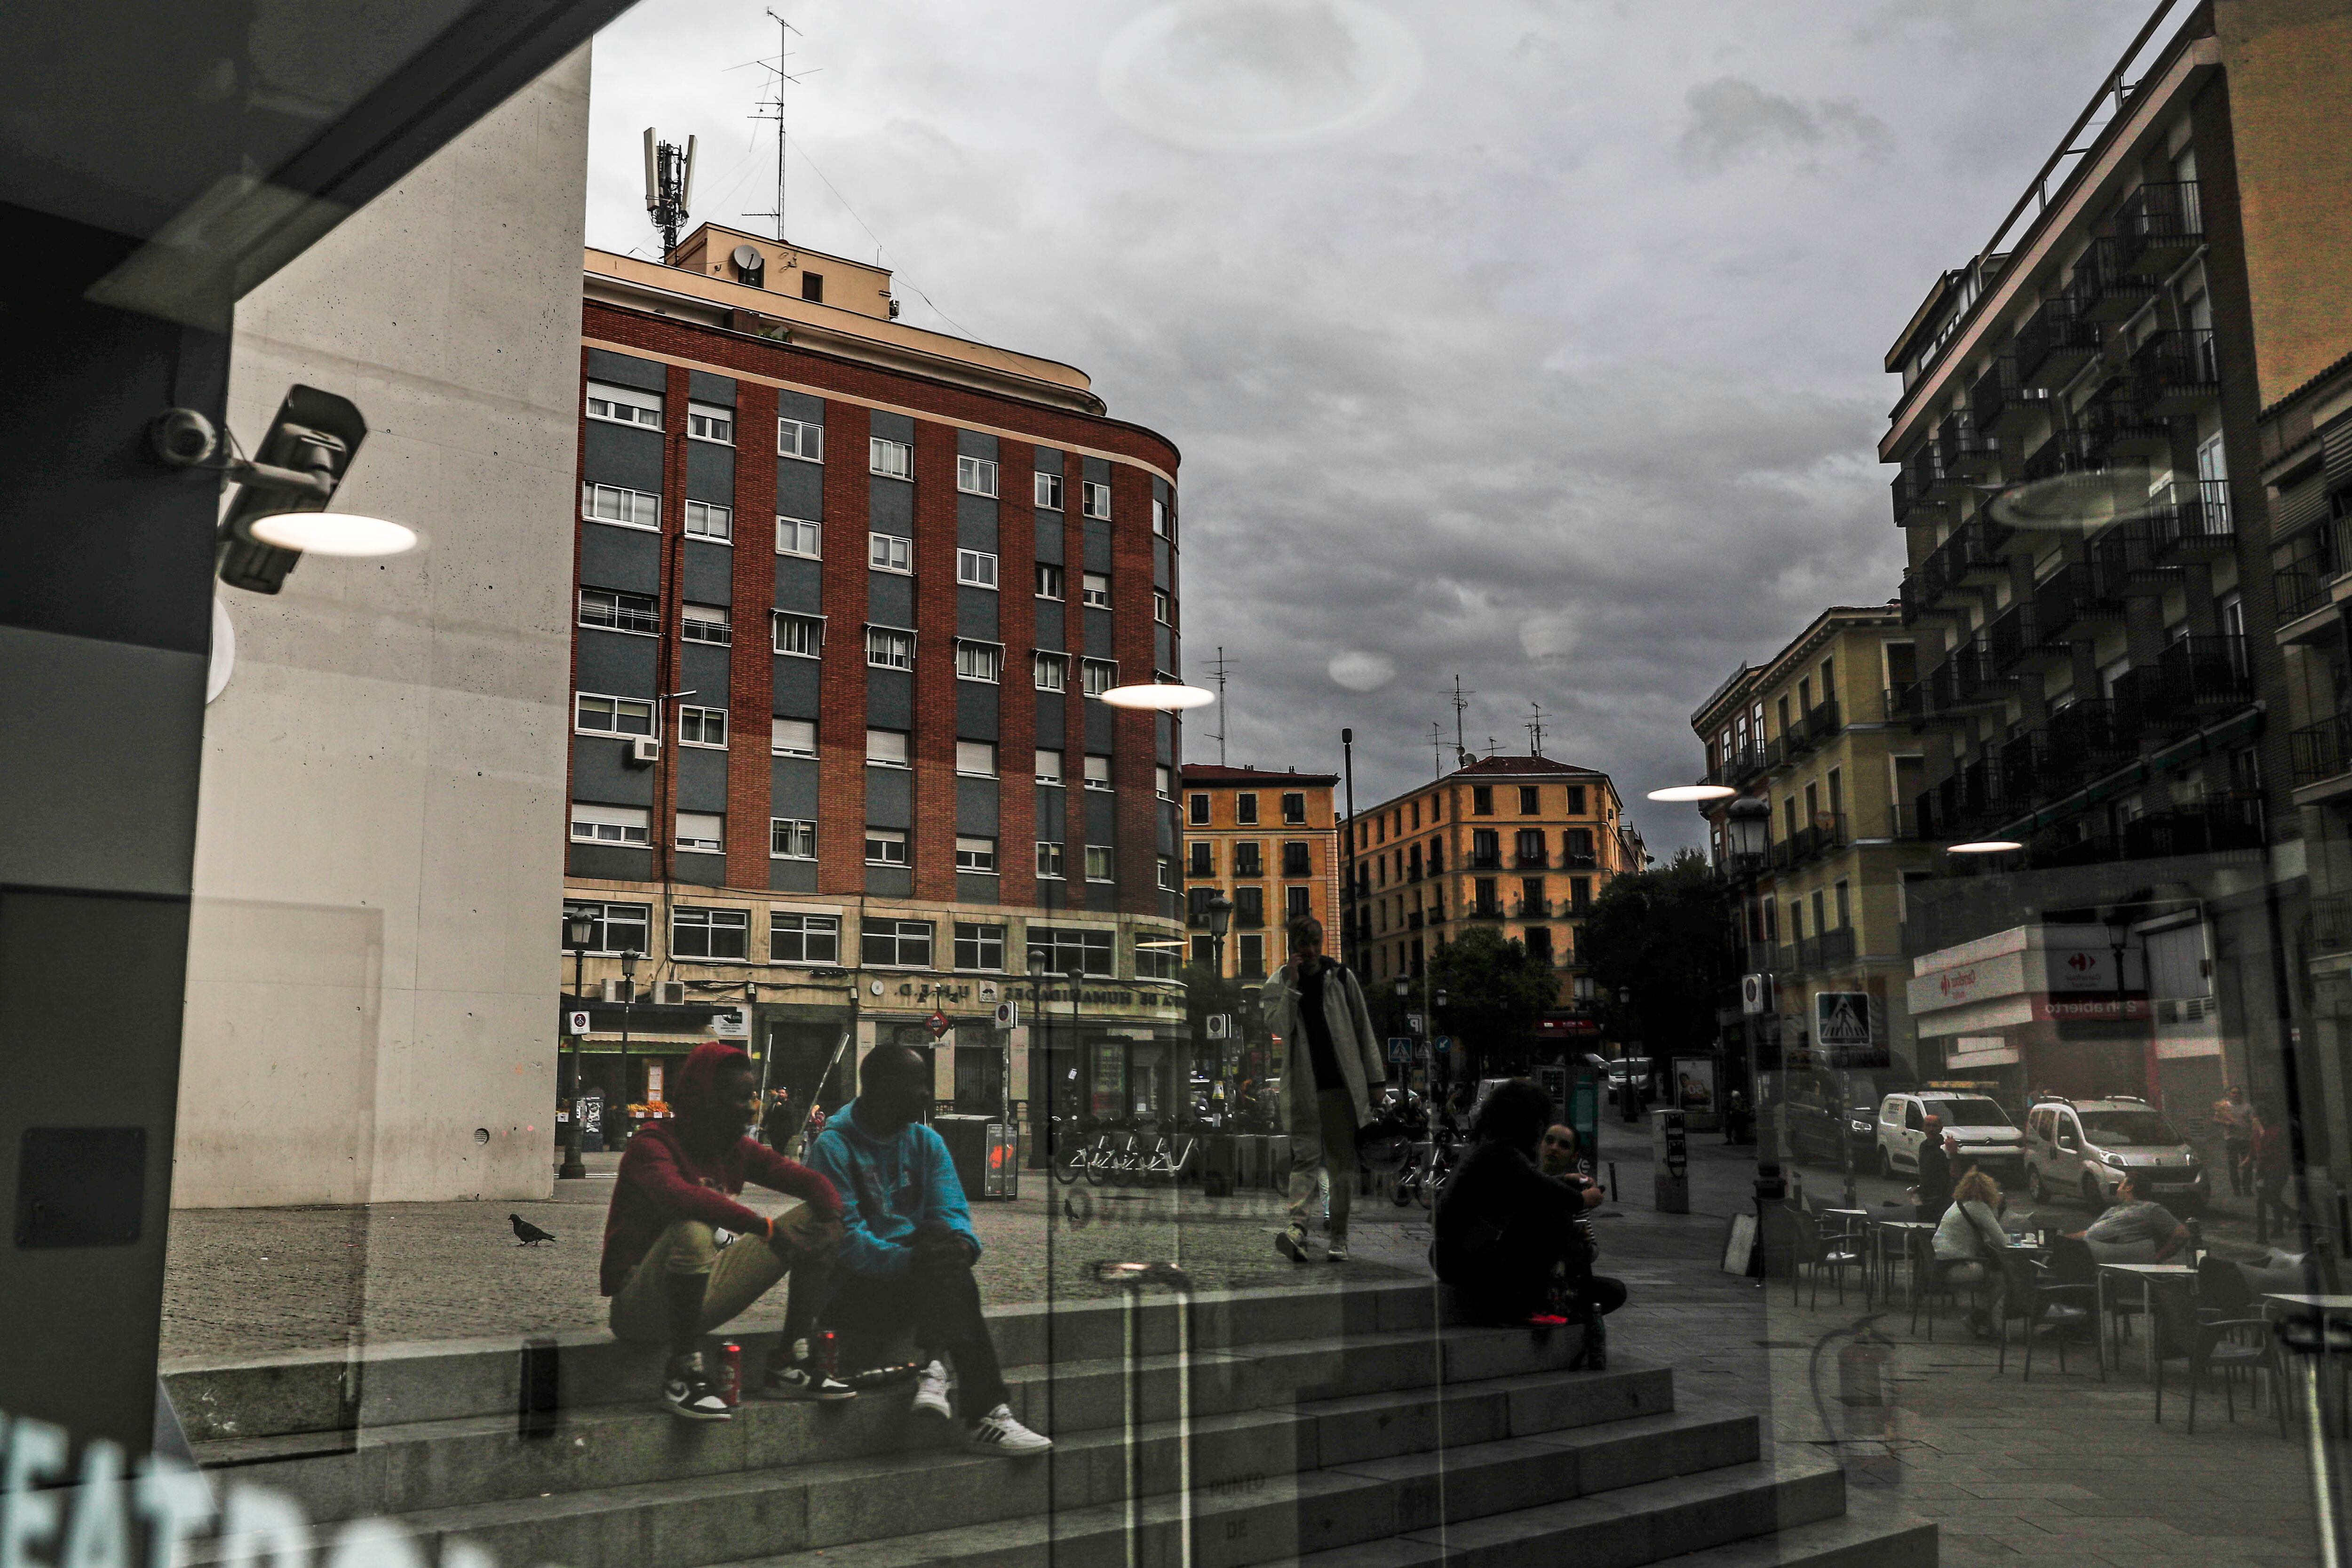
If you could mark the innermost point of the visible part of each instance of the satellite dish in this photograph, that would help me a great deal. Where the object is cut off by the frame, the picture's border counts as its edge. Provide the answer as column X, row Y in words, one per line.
column 749, row 265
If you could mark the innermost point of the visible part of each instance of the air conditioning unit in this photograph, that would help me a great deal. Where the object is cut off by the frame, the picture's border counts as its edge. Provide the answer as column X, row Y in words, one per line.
column 670, row 992
column 620, row 990
column 644, row 752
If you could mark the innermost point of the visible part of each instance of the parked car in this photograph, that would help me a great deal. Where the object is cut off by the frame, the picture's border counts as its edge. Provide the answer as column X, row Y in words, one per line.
column 1832, row 1115
column 1615, row 1071
column 1978, row 1124
column 2081, row 1148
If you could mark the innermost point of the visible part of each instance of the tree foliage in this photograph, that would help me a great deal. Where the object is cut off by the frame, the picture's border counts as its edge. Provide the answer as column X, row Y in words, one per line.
column 1494, row 992
column 1665, row 935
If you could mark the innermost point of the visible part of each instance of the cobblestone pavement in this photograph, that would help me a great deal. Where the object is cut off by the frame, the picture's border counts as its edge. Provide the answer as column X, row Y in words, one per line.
column 2065, row 1468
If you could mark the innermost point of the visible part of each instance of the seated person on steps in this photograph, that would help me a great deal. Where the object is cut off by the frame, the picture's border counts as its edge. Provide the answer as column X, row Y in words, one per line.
column 1503, row 1227
column 673, row 1280
column 907, row 1247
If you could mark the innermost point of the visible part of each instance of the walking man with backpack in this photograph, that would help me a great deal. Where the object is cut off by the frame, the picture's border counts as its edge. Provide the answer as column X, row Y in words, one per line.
column 1316, row 1006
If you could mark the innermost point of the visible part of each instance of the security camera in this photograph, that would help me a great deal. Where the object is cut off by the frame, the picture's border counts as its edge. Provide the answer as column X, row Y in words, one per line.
column 296, row 468
column 182, row 438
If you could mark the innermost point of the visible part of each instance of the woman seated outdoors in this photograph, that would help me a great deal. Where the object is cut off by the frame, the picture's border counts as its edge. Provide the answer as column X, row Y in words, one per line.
column 1965, row 1239
column 1505, row 1229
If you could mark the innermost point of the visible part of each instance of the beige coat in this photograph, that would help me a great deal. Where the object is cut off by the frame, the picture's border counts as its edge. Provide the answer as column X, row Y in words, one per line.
column 1353, row 1039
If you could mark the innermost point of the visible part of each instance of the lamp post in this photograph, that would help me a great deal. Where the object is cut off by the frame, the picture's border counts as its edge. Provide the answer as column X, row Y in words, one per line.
column 1220, row 910
column 1747, row 835
column 1076, row 976
column 1037, row 973
column 629, row 956
column 579, row 935
column 1437, row 1000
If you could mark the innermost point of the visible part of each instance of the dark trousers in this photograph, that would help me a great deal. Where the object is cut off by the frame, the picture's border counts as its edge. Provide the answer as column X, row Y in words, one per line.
column 942, row 1306
column 1511, row 1277
column 1929, row 1210
column 2238, row 1154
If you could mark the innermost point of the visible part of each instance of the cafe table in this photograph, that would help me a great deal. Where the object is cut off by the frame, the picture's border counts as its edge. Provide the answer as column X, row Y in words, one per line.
column 1901, row 1232
column 2324, row 1307
column 2147, row 1274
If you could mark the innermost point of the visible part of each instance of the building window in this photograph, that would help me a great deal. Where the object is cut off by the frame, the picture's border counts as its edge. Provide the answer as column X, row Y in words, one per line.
column 1295, row 901
column 1095, row 499
column 1098, row 771
column 1161, row 606
column 610, row 825
column 1094, row 590
column 980, row 946
column 975, row 569
column 1078, row 948
column 593, row 715
column 1159, row 518
column 709, row 422
column 791, row 840
column 701, row 726
column 1248, row 858
column 980, row 661
column 976, row 475
column 1049, row 491
column 812, row 288
column 707, row 623
column 704, row 520
column 1579, row 895
column 1253, row 956
column 1246, row 809
column 1482, row 800
column 799, row 438
column 1100, row 675
column 1530, row 800
column 799, row 536
column 1204, row 951
column 803, row 939
column 625, row 405
column 976, row 854
column 629, row 509
column 977, row 758
column 1293, row 809
column 1098, row 863
column 1167, row 873
column 704, row 832
column 886, row 748
column 1294, row 860
column 1575, row 800
column 1050, row 582
column 618, row 928
column 616, row 612
column 709, row 933
column 891, row 459
column 1203, row 859
column 803, row 636
column 1049, row 860
column 1197, row 807
column 900, row 944
column 1163, row 781
column 1156, row 957
column 887, row 648
column 793, row 737
column 886, row 846
column 1052, row 671
column 1049, row 766
column 889, row 553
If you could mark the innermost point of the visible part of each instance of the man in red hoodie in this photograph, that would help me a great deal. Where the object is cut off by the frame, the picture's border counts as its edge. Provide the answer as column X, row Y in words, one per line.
column 672, row 1276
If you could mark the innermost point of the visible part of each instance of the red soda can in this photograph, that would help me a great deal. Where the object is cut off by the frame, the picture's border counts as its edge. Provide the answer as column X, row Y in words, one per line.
column 730, row 1371
column 832, row 1366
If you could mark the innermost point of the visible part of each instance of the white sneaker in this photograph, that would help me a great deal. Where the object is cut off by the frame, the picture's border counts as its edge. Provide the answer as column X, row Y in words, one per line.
column 998, row 1432
column 1337, row 1252
column 931, row 1392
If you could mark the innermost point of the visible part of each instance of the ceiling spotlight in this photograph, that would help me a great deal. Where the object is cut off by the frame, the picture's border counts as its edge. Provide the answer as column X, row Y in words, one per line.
column 1984, row 847
column 2071, row 503
column 1163, row 696
column 1676, row 794
column 334, row 533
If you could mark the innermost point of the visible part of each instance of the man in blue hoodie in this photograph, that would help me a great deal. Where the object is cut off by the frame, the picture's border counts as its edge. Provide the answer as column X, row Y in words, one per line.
column 907, row 1247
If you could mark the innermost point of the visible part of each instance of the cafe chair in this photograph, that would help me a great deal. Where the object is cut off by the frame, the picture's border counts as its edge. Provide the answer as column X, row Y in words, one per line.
column 2074, row 1262
column 2034, row 1301
column 2208, row 1343
column 1826, row 1245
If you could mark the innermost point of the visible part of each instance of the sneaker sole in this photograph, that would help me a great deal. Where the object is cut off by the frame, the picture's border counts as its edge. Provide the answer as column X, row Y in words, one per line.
column 1288, row 1246
column 1001, row 1452
column 683, row 1414
column 805, row 1396
column 937, row 1412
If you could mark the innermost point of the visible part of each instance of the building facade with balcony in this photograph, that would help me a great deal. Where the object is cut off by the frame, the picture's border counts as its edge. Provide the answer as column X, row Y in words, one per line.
column 1522, row 845
column 1270, row 843
column 1818, row 734
column 847, row 595
column 2101, row 678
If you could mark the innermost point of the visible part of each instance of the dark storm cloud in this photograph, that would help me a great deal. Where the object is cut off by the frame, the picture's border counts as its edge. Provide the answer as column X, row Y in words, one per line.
column 1557, row 369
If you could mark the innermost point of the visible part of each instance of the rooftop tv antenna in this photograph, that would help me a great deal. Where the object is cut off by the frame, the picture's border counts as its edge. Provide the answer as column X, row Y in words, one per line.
column 1535, row 731
column 773, row 109
column 1460, row 701
column 1436, row 751
column 1218, row 671
column 669, row 187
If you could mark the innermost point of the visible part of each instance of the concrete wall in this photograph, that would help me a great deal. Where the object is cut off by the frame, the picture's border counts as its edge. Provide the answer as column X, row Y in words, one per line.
column 373, row 964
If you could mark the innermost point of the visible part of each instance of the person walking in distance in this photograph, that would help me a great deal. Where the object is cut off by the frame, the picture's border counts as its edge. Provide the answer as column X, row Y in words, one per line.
column 1935, row 1174
column 2233, row 1118
column 2274, row 1163
column 1316, row 1006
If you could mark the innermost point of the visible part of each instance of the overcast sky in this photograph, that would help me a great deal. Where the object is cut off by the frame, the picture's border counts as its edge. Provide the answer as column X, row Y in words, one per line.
column 1534, row 341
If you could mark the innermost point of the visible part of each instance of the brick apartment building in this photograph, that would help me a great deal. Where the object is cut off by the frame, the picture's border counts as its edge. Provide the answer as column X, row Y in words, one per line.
column 848, row 595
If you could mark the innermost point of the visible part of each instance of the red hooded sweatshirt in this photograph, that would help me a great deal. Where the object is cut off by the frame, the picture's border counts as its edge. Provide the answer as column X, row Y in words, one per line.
column 692, row 1168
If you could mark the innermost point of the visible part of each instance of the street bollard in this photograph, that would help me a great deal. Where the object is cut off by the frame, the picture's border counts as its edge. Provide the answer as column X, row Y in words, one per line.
column 1669, row 1161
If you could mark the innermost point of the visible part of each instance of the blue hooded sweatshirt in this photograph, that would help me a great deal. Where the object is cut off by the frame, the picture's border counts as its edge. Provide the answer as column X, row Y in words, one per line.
column 889, row 1184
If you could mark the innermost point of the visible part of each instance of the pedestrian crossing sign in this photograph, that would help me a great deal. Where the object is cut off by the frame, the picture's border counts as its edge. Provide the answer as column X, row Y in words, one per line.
column 1840, row 1018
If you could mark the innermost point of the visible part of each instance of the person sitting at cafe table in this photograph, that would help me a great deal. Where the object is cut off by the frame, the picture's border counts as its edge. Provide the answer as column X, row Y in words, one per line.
column 1966, row 1238
column 2137, row 1217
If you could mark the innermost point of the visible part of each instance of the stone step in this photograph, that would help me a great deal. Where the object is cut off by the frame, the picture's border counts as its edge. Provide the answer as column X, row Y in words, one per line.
column 1344, row 1518
column 1250, row 1499
column 1870, row 1534
column 337, row 1391
column 482, row 1459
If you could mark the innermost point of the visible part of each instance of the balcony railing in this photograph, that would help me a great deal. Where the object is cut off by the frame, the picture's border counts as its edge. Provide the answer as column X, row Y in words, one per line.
column 1907, row 703
column 2073, row 451
column 1969, row 676
column 2123, row 556
column 1579, row 860
column 1788, row 958
column 2158, row 226
column 1486, row 862
column 1925, row 467
column 2205, row 672
column 2193, row 519
column 2301, row 591
column 2322, row 751
column 1963, row 447
column 2108, row 291
column 1530, row 908
column 2011, row 637
column 1907, row 501
column 2207, row 828
column 2053, row 341
column 2331, row 924
column 1827, row 832
column 2113, row 426
column 1997, row 401
column 1412, row 919
column 1482, row 909
column 1530, row 860
column 2175, row 372
column 1982, row 796
column 2091, row 737
column 1972, row 553
column 1837, row 947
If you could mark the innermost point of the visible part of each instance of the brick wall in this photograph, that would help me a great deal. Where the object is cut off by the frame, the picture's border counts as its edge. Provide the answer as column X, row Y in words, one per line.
column 1017, row 742
column 751, row 669
column 841, row 691
column 933, row 745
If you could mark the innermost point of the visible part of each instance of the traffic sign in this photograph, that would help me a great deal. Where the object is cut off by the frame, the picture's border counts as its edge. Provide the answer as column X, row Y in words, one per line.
column 1399, row 1048
column 1755, row 994
column 1840, row 1018
column 939, row 1023
column 575, row 1021
column 1414, row 1021
column 1220, row 1026
column 1008, row 1015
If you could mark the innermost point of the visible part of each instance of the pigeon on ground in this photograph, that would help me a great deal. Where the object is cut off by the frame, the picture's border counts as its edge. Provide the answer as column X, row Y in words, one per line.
column 528, row 1232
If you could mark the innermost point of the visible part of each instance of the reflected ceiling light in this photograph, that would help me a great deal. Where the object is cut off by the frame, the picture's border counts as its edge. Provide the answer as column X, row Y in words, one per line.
column 1984, row 847
column 2071, row 503
column 1676, row 794
column 1164, row 696
column 333, row 534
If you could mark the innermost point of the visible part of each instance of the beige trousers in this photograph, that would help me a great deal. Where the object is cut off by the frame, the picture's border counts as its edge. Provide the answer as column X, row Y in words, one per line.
column 1323, row 1134
column 741, row 1273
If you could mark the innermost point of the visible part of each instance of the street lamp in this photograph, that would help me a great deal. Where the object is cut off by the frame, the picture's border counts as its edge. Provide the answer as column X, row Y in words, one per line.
column 578, row 935
column 629, row 957
column 1220, row 910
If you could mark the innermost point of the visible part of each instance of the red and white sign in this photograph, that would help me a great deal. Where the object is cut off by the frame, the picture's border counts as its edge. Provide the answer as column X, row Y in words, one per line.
column 939, row 1023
